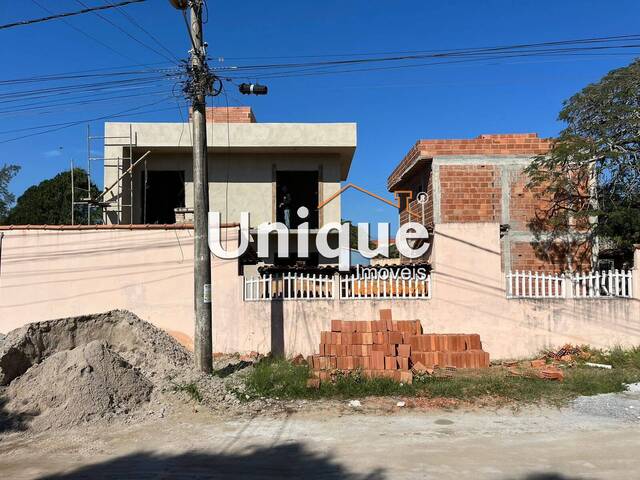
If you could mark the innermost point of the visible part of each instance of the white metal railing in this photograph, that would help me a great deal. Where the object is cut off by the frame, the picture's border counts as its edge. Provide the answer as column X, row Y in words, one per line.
column 289, row 286
column 597, row 284
column 352, row 287
column 535, row 285
column 612, row 283
column 300, row 286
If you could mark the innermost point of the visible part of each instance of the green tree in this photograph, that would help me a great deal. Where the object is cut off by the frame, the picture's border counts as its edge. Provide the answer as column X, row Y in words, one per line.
column 49, row 202
column 7, row 172
column 590, row 179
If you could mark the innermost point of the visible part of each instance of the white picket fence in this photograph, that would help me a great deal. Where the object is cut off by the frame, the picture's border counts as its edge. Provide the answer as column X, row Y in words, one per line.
column 535, row 285
column 606, row 284
column 300, row 286
column 354, row 288
column 612, row 283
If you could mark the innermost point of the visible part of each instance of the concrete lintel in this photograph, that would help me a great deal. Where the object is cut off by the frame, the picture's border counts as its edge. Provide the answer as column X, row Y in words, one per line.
column 520, row 160
column 520, row 236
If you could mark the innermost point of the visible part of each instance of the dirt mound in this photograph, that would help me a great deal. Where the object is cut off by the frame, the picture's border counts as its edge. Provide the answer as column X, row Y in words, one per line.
column 141, row 344
column 111, row 366
column 76, row 386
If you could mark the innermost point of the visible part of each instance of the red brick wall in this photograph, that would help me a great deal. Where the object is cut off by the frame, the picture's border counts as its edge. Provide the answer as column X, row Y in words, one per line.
column 524, row 203
column 470, row 193
column 493, row 145
column 230, row 115
column 525, row 256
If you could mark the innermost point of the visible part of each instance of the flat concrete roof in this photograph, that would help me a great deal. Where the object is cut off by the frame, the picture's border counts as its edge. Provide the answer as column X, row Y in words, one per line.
column 337, row 138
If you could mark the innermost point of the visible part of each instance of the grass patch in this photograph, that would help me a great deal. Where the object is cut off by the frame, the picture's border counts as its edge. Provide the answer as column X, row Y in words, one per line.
column 190, row 389
column 617, row 357
column 278, row 378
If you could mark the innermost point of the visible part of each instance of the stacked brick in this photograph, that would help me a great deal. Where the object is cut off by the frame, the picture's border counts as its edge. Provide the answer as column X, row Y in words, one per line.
column 391, row 349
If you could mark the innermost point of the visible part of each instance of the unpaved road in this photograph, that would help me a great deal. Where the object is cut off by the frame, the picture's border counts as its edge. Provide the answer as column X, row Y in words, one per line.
column 341, row 443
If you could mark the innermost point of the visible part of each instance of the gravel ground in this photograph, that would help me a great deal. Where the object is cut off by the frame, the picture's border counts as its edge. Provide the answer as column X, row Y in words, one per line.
column 337, row 441
column 623, row 406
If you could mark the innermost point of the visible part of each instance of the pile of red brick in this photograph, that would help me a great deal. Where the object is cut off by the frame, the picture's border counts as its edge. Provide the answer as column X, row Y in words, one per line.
column 392, row 348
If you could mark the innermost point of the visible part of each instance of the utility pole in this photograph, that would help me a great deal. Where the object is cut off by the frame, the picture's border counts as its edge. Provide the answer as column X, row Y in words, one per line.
column 202, row 268
column 200, row 83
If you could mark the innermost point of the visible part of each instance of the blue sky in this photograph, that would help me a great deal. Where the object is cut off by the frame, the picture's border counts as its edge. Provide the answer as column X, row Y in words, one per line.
column 393, row 108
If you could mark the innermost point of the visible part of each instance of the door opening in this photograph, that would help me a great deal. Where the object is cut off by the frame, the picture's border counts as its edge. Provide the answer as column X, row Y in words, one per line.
column 296, row 189
column 164, row 193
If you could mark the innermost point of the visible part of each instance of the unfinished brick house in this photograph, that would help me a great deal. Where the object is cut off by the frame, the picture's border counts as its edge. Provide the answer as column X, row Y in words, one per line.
column 481, row 180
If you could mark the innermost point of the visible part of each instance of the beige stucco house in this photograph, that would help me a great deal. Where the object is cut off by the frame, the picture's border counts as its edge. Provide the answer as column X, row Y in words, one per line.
column 252, row 166
column 248, row 163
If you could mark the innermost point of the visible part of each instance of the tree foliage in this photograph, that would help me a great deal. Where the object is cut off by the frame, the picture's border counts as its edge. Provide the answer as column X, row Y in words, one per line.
column 590, row 179
column 49, row 202
column 7, row 172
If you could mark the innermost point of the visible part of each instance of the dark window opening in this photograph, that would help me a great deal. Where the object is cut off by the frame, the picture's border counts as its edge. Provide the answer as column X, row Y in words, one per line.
column 297, row 189
column 294, row 260
column 164, row 192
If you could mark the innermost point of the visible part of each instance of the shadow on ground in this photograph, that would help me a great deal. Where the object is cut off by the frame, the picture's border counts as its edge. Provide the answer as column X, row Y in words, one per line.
column 232, row 368
column 548, row 476
column 11, row 422
column 284, row 461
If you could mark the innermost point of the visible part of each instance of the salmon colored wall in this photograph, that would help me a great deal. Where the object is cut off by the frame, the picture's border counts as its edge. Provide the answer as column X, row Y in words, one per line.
column 52, row 274
column 49, row 274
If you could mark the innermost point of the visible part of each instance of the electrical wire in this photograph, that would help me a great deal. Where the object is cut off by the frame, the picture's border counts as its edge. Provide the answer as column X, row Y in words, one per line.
column 49, row 78
column 86, row 9
column 318, row 71
column 12, row 97
column 137, row 24
column 118, row 27
column 606, row 39
column 462, row 54
column 59, row 127
column 63, row 106
column 86, row 34
column 64, row 75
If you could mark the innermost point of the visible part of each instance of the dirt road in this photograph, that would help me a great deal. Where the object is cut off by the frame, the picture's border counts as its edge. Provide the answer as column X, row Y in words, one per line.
column 345, row 443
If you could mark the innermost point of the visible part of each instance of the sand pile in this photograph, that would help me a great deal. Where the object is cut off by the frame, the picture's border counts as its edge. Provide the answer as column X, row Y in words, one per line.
column 69, row 371
column 141, row 344
column 106, row 366
column 79, row 385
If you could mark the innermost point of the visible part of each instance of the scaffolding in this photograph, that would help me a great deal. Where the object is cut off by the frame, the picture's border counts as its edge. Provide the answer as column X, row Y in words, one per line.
column 124, row 165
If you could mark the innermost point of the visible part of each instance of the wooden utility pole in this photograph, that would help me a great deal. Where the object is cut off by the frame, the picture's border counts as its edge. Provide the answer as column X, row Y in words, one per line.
column 202, row 258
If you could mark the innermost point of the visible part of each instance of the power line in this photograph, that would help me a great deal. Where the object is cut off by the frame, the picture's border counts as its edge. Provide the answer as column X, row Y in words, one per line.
column 49, row 78
column 17, row 95
column 149, row 34
column 87, row 9
column 612, row 38
column 326, row 70
column 520, row 49
column 47, row 101
column 58, row 127
column 61, row 75
column 62, row 106
column 86, row 34
column 115, row 25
